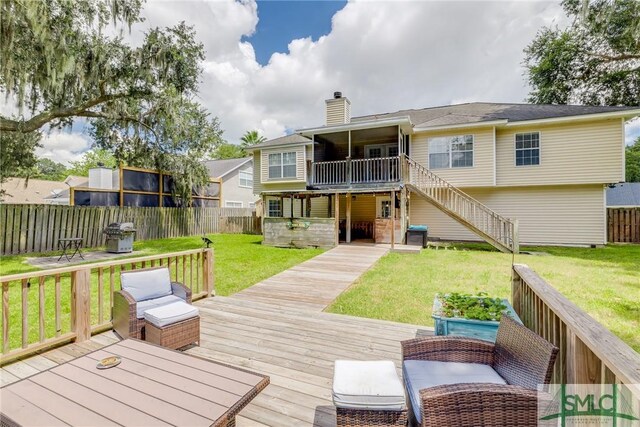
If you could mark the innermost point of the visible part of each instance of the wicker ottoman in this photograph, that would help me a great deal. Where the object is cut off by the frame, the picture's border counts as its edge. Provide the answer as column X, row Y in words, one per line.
column 173, row 325
column 368, row 394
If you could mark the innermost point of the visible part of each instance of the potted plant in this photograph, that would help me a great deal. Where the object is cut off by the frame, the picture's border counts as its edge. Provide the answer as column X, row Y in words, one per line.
column 476, row 316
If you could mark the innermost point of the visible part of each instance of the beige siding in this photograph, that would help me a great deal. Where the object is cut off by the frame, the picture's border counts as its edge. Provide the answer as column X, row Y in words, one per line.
column 480, row 175
column 231, row 190
column 578, row 153
column 319, row 207
column 261, row 172
column 300, row 151
column 338, row 111
column 546, row 215
column 363, row 208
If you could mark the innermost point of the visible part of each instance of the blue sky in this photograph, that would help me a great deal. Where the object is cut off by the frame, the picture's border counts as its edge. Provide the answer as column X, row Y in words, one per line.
column 283, row 21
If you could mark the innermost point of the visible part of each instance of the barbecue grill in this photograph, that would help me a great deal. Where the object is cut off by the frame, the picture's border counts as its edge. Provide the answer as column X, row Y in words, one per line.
column 119, row 237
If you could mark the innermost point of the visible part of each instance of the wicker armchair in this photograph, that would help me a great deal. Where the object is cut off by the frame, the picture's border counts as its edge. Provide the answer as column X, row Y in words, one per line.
column 519, row 357
column 141, row 290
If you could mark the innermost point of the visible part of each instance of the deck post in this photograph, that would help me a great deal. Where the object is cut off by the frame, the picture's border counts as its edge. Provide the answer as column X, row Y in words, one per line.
column 393, row 219
column 308, row 202
column 348, row 225
column 291, row 205
column 403, row 213
column 207, row 273
column 336, row 206
column 281, row 206
column 81, row 304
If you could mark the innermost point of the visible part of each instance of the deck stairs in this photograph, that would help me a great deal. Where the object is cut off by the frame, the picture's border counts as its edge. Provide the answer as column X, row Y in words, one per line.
column 495, row 229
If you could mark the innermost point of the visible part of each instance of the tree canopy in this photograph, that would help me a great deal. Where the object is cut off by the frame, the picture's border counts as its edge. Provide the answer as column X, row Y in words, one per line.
column 91, row 159
column 595, row 61
column 59, row 64
column 632, row 158
column 251, row 137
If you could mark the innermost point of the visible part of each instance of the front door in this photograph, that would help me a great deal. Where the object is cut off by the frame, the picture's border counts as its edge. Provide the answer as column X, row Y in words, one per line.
column 382, row 170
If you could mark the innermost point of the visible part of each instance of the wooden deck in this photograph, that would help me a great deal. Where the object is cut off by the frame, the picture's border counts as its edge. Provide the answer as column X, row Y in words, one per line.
column 315, row 283
column 295, row 347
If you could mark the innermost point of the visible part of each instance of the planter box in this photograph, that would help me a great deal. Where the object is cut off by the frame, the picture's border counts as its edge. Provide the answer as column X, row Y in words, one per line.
column 481, row 329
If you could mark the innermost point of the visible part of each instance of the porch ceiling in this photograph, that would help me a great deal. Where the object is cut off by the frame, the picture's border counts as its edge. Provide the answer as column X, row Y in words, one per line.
column 331, row 191
column 374, row 134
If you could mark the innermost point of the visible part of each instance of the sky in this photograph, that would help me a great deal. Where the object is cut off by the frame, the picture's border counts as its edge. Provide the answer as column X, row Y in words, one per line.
column 270, row 65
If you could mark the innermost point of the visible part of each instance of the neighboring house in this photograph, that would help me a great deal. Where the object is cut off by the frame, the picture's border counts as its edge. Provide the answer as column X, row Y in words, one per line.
column 62, row 197
column 237, row 181
column 624, row 195
column 505, row 173
column 34, row 191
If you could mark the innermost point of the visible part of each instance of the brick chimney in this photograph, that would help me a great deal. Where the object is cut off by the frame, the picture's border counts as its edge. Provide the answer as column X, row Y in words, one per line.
column 338, row 110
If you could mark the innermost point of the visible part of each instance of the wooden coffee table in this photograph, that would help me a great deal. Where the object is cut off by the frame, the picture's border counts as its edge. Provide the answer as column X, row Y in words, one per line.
column 151, row 386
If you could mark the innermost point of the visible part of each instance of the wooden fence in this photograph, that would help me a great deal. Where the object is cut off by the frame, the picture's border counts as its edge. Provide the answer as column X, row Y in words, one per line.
column 37, row 228
column 623, row 225
column 48, row 308
column 589, row 352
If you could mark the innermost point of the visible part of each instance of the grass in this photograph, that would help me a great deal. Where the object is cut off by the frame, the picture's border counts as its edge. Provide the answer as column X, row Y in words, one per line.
column 239, row 262
column 604, row 282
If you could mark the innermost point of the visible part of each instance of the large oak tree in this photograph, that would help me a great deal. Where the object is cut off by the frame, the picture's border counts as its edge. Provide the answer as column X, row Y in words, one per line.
column 64, row 60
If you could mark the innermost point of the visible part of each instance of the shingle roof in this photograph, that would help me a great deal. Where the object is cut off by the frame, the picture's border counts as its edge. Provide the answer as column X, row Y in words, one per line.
column 283, row 140
column 35, row 192
column 625, row 194
column 219, row 168
column 477, row 112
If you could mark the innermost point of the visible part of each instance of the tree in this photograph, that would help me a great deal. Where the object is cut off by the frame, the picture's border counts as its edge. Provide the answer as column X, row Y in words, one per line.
column 60, row 65
column 251, row 137
column 50, row 170
column 632, row 161
column 595, row 61
column 17, row 154
column 228, row 151
column 91, row 159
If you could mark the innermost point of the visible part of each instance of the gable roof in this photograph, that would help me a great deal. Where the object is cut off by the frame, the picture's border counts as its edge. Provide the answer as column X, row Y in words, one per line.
column 294, row 138
column 478, row 112
column 220, row 168
column 38, row 191
column 624, row 194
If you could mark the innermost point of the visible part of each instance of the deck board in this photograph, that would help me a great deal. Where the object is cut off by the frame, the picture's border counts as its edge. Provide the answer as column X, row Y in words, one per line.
column 296, row 347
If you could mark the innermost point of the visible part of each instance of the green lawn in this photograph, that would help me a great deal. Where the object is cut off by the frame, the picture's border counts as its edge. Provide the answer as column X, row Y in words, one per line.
column 239, row 262
column 605, row 282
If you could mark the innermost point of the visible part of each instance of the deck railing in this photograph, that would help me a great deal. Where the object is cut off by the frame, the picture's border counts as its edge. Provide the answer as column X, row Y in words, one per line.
column 356, row 171
column 44, row 309
column 589, row 353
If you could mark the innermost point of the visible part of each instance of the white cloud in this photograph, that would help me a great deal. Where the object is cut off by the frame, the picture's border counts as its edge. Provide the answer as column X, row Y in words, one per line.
column 63, row 147
column 632, row 131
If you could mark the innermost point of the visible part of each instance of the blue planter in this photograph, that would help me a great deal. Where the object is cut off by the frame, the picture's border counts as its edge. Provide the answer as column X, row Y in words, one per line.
column 481, row 329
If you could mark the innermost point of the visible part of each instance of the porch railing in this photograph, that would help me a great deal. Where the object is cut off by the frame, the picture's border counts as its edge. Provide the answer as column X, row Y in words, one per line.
column 48, row 308
column 589, row 352
column 356, row 171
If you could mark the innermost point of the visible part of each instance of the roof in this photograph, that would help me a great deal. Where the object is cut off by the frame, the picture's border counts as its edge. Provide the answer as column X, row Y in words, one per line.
column 37, row 191
column 624, row 194
column 478, row 112
column 220, row 168
column 77, row 181
column 294, row 138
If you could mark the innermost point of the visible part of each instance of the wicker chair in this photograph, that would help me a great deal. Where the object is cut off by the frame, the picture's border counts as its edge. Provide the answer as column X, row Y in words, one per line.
column 519, row 357
column 130, row 302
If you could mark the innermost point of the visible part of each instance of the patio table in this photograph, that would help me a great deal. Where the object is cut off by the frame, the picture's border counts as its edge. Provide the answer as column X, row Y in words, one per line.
column 152, row 386
column 70, row 244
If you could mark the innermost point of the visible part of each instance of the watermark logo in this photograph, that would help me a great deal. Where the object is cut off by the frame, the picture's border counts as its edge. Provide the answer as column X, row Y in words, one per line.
column 587, row 405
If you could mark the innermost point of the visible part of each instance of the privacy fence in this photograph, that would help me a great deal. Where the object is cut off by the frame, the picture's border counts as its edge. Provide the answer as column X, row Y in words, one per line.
column 623, row 225
column 37, row 228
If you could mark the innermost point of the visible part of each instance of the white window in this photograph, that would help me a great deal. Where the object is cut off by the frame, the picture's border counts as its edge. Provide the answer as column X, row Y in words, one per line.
column 246, row 179
column 381, row 150
column 252, row 205
column 383, row 207
column 231, row 204
column 282, row 165
column 451, row 152
column 274, row 207
column 528, row 149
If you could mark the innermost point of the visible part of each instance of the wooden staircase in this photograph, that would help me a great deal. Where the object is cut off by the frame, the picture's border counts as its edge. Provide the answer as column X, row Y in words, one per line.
column 497, row 230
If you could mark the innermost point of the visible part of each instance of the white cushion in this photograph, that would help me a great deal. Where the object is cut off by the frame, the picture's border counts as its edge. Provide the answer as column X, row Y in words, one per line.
column 421, row 374
column 170, row 313
column 143, row 306
column 147, row 284
column 367, row 385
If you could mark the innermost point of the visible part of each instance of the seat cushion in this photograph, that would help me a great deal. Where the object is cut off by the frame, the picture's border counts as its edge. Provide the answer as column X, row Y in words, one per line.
column 146, row 284
column 421, row 374
column 171, row 313
column 367, row 385
column 143, row 306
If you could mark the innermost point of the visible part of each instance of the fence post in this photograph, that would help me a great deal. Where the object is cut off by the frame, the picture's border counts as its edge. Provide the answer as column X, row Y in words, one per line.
column 208, row 273
column 81, row 304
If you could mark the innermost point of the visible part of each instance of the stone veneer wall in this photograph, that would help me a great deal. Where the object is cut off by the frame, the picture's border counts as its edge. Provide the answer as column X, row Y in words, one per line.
column 299, row 232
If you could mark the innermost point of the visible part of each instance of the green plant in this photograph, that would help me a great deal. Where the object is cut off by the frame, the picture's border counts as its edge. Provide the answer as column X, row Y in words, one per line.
column 467, row 306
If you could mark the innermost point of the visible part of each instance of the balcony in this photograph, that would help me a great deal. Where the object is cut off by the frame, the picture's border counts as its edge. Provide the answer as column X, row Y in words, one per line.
column 355, row 172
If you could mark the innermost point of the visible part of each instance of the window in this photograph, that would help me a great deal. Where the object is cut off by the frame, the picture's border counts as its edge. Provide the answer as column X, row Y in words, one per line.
column 451, row 152
column 527, row 149
column 252, row 205
column 246, row 178
column 230, row 204
column 282, row 165
column 274, row 207
column 383, row 207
